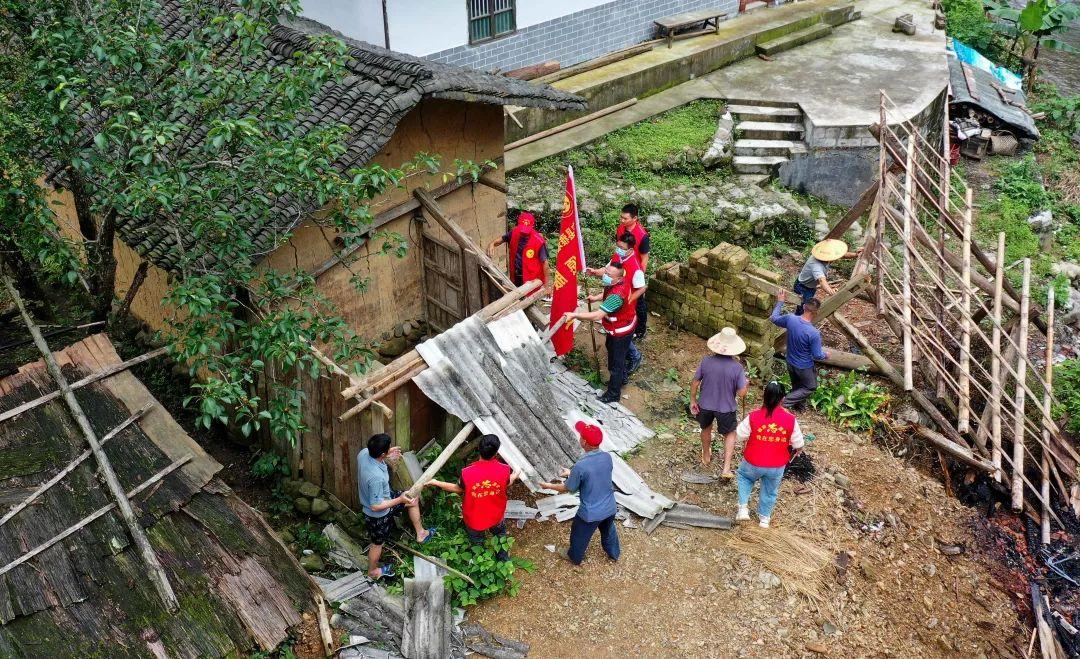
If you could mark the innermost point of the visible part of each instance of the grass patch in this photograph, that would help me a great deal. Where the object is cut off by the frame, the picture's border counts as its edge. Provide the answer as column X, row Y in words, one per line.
column 657, row 138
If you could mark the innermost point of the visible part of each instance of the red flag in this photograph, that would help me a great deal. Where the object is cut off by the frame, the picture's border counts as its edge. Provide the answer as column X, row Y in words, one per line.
column 569, row 261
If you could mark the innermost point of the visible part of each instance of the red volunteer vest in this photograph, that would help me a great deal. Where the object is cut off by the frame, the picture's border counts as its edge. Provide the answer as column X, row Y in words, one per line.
column 529, row 252
column 769, row 438
column 623, row 321
column 631, row 264
column 639, row 235
column 484, row 502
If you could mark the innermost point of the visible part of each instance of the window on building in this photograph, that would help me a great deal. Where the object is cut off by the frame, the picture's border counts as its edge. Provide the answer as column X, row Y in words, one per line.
column 490, row 18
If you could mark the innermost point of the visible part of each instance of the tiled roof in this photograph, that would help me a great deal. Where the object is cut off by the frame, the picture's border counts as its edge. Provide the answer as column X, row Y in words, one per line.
column 380, row 89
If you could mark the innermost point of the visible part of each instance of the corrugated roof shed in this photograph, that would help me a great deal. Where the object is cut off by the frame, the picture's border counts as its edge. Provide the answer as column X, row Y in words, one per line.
column 989, row 99
column 500, row 377
column 239, row 588
column 383, row 86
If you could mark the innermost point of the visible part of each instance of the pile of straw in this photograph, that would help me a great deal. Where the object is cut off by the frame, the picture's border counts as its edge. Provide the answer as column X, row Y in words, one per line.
column 800, row 562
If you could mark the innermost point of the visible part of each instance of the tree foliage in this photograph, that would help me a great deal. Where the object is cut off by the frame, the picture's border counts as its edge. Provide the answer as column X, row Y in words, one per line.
column 1035, row 26
column 196, row 131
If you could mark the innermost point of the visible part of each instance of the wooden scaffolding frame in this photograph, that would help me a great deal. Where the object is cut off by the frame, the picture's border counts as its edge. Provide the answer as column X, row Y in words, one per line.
column 947, row 300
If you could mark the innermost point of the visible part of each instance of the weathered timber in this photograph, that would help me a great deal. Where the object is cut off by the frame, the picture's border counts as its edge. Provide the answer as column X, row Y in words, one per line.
column 442, row 459
column 426, row 631
column 570, row 124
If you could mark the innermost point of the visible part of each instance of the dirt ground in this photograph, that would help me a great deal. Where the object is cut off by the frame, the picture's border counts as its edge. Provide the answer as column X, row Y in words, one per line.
column 885, row 587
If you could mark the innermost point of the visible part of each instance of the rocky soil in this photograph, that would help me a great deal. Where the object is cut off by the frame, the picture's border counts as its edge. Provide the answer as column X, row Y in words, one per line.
column 906, row 577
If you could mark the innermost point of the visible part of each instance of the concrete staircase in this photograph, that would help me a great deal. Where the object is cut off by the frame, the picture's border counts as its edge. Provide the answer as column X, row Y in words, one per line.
column 767, row 133
column 789, row 41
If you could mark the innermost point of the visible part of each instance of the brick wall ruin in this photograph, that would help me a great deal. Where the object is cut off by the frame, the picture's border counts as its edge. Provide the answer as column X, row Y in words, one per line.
column 718, row 288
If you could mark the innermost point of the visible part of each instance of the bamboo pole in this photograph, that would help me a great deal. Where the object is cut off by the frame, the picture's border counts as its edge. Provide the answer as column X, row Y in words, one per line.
column 882, row 198
column 995, row 362
column 138, row 535
column 442, row 458
column 74, row 464
column 963, row 420
column 1048, row 381
column 156, row 478
column 1021, row 379
column 944, row 173
column 909, row 194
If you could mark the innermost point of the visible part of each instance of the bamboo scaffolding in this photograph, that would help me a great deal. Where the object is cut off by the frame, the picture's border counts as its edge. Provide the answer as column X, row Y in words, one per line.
column 909, row 195
column 138, row 535
column 1021, row 378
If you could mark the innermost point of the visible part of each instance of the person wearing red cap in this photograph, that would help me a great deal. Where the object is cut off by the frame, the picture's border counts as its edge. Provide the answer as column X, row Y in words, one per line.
column 528, row 250
column 483, row 487
column 591, row 478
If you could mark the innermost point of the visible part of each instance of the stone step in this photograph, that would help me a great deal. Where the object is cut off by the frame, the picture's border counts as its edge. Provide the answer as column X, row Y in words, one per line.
column 757, row 164
column 760, row 180
column 759, row 103
column 765, row 112
column 769, row 147
column 754, row 6
column 768, row 130
column 789, row 41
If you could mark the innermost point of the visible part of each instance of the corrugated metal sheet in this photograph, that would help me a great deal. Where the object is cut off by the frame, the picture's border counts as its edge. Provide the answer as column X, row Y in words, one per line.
column 988, row 99
column 501, row 377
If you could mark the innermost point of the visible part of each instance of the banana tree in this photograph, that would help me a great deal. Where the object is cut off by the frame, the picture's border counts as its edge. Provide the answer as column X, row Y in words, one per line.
column 1036, row 26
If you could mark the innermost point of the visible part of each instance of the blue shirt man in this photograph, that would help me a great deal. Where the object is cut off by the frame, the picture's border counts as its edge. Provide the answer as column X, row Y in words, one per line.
column 803, row 349
column 374, row 483
column 591, row 478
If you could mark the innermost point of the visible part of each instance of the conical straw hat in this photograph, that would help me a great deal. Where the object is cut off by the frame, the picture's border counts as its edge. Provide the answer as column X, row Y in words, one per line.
column 829, row 250
column 727, row 342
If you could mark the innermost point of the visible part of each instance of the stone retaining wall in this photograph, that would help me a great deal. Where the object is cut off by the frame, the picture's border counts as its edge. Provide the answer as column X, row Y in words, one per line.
column 718, row 288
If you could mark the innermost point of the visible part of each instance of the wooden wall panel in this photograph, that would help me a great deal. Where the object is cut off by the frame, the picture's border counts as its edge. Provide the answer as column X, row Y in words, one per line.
column 311, row 438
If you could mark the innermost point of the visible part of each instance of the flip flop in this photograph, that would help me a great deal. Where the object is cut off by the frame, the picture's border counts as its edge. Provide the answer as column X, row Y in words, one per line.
column 430, row 534
column 386, row 571
column 727, row 475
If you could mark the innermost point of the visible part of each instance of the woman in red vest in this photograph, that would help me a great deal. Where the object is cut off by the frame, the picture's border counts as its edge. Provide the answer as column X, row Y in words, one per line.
column 773, row 438
column 483, row 487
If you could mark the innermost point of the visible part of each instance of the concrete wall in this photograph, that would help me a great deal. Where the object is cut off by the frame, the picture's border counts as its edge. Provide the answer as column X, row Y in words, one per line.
column 718, row 288
column 592, row 30
column 357, row 19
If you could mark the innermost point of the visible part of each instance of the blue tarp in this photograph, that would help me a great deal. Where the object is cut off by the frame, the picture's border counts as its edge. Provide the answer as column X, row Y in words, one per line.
column 974, row 58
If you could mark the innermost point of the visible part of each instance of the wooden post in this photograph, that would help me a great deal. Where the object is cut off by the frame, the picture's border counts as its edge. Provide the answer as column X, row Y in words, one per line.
column 123, row 504
column 1021, row 379
column 592, row 332
column 1047, row 395
column 995, row 362
column 963, row 419
column 909, row 211
column 883, row 197
column 441, row 460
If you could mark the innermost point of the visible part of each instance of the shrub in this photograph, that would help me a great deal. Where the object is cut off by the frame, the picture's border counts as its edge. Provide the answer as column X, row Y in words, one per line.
column 266, row 465
column 966, row 21
column 1019, row 180
column 1067, row 390
column 308, row 536
column 850, row 401
column 451, row 544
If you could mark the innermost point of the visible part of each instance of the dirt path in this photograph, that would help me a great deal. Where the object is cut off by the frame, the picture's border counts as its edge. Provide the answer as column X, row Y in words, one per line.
column 886, row 589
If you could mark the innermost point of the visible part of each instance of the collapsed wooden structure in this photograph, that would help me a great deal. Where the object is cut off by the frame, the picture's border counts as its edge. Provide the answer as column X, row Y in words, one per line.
column 964, row 328
column 73, row 580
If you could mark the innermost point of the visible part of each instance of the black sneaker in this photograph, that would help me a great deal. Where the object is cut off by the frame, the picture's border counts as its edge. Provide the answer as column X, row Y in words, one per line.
column 609, row 397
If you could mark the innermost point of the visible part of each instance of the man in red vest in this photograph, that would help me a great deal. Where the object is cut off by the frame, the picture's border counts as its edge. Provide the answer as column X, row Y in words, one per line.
column 628, row 223
column 618, row 316
column 528, row 250
column 483, row 487
column 626, row 254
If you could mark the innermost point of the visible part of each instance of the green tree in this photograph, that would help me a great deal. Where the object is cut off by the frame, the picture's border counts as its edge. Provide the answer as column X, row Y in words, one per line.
column 1034, row 27
column 195, row 129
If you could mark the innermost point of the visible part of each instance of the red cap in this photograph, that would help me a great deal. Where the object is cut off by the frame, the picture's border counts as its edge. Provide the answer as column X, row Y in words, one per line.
column 526, row 219
column 590, row 433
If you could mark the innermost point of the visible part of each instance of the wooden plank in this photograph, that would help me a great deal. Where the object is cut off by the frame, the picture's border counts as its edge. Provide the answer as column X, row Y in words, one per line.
column 855, row 212
column 570, row 124
column 473, row 299
column 327, row 393
column 402, row 433
column 969, row 81
column 310, row 438
column 340, row 445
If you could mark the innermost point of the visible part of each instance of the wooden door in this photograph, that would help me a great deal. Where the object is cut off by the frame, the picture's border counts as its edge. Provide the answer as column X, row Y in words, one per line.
column 444, row 284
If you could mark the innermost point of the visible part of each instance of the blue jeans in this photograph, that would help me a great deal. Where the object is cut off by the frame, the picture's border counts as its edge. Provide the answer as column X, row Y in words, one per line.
column 747, row 474
column 805, row 293
column 581, row 532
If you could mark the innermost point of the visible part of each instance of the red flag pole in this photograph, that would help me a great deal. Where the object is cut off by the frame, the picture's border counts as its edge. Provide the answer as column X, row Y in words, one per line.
column 592, row 331
column 569, row 261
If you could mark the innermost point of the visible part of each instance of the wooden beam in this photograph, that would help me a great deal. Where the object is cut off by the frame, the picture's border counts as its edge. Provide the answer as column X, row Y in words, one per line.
column 1021, row 379
column 830, row 305
column 138, row 535
column 74, row 464
column 963, row 417
column 486, row 179
column 957, row 451
column 90, row 379
column 570, row 124
column 462, row 239
column 855, row 212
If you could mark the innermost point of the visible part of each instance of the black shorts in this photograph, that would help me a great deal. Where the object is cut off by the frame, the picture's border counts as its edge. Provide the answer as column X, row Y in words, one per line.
column 477, row 537
column 379, row 528
column 725, row 421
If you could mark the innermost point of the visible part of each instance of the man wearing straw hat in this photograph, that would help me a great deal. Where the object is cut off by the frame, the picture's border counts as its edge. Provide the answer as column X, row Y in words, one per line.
column 814, row 271
column 718, row 380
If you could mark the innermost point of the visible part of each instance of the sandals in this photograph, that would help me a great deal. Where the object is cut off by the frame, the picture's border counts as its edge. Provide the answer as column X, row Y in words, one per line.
column 386, row 571
column 430, row 534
